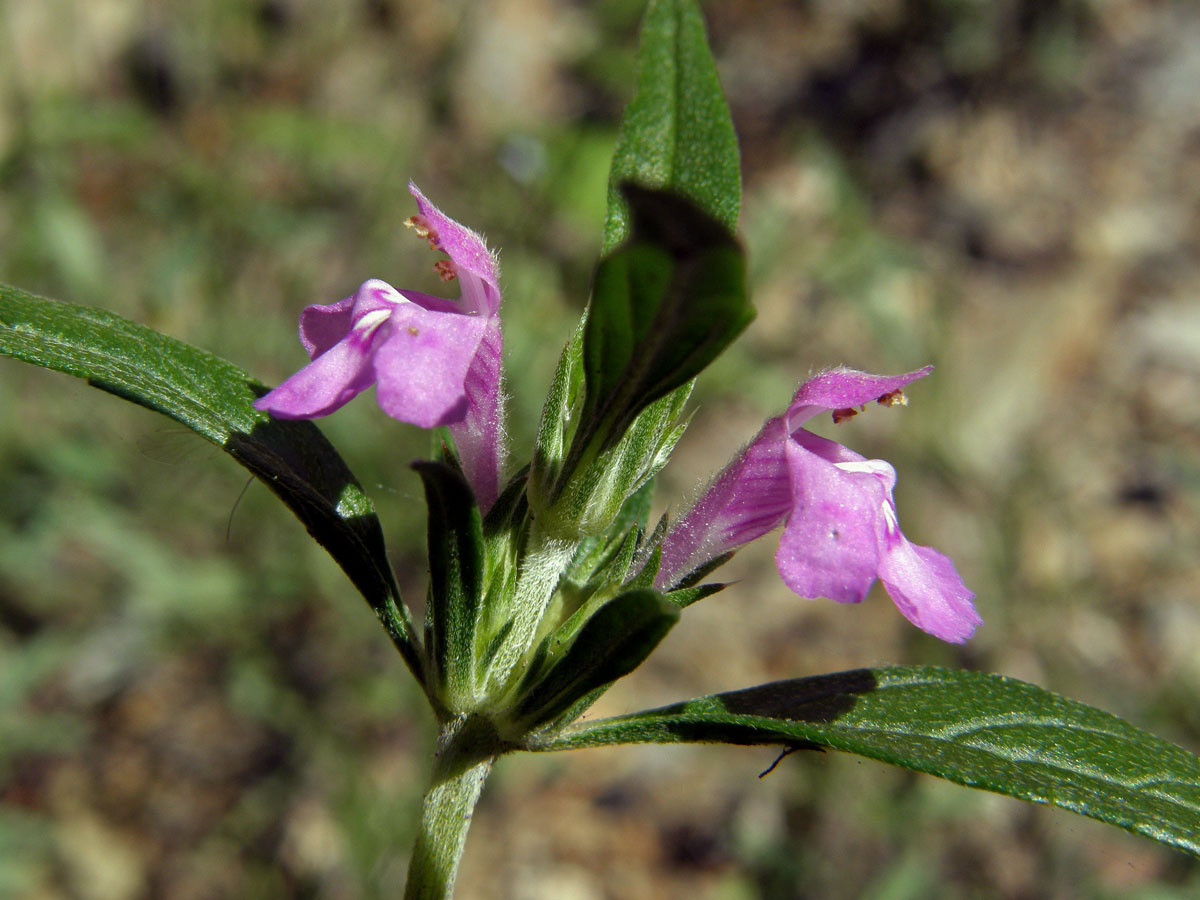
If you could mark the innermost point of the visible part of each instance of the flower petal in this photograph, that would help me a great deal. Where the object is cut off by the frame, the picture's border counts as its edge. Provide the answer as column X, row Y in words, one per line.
column 479, row 436
column 750, row 497
column 478, row 272
column 323, row 326
column 435, row 304
column 927, row 589
column 830, row 545
column 422, row 363
column 832, row 451
column 844, row 388
column 328, row 382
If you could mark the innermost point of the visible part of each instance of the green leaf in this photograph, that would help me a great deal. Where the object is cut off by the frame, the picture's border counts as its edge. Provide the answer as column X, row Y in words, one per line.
column 676, row 137
column 685, row 597
column 664, row 305
column 598, row 558
column 676, row 132
column 980, row 730
column 612, row 642
column 456, row 581
column 555, row 428
column 213, row 398
column 592, row 500
column 604, row 562
column 505, row 532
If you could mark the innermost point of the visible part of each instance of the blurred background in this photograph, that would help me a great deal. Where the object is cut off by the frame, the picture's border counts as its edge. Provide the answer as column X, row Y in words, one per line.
column 193, row 701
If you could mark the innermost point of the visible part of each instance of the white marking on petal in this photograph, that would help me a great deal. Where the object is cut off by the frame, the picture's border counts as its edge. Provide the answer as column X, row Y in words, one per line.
column 882, row 470
column 366, row 326
column 889, row 516
column 869, row 466
column 382, row 292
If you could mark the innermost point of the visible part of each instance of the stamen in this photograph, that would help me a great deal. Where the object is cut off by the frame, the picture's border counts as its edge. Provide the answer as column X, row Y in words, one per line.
column 424, row 229
column 841, row 415
column 445, row 269
column 414, row 330
column 893, row 398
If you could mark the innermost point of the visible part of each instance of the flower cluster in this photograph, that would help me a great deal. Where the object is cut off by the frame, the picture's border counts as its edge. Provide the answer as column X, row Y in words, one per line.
column 436, row 362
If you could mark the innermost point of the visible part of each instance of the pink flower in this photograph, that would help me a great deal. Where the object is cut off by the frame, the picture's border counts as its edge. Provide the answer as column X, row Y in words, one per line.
column 433, row 361
column 840, row 530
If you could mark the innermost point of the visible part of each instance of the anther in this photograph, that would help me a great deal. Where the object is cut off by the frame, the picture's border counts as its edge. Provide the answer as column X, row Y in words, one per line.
column 841, row 415
column 424, row 229
column 893, row 398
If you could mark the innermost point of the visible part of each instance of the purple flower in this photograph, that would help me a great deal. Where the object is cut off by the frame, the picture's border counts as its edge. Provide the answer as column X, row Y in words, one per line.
column 433, row 361
column 840, row 526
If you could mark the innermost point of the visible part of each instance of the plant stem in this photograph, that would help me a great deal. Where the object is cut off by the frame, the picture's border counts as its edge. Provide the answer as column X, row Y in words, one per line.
column 466, row 750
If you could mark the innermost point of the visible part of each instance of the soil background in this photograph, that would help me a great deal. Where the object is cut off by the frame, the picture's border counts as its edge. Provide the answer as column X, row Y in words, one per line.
column 194, row 704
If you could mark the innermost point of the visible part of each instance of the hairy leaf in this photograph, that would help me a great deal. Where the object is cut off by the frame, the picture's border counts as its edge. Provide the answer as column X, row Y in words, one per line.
column 676, row 133
column 980, row 730
column 214, row 398
column 456, row 580
column 664, row 305
column 612, row 642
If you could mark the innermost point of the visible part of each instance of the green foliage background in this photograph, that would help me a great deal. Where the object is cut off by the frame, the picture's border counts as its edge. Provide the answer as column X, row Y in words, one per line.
column 194, row 703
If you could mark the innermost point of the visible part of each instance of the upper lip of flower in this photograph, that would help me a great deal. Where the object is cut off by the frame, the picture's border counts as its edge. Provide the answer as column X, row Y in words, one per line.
column 474, row 264
column 844, row 389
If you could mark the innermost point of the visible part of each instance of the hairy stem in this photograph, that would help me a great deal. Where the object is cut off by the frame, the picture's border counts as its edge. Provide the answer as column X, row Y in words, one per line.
column 466, row 750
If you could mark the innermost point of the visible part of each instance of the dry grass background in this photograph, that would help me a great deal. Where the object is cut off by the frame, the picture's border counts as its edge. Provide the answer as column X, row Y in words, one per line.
column 193, row 704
